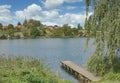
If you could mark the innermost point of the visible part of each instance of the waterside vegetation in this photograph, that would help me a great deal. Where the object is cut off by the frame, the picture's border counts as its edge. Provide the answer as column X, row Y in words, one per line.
column 103, row 24
column 105, row 61
column 35, row 29
column 26, row 70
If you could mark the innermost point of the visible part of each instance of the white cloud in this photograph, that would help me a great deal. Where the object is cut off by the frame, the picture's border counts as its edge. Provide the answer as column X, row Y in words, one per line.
column 54, row 23
column 72, row 18
column 34, row 11
column 5, row 16
column 49, row 23
column 31, row 11
column 55, row 3
column 50, row 14
column 51, row 17
column 5, row 7
column 71, row 1
column 71, row 7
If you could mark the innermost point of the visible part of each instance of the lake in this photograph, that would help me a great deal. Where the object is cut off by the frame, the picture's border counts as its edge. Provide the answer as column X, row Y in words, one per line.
column 52, row 50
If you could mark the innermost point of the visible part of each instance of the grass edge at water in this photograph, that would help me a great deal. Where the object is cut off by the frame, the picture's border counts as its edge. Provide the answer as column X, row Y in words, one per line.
column 26, row 70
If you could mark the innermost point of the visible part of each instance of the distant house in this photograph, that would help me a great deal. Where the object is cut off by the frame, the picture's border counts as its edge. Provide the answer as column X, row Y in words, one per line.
column 5, row 27
column 56, row 26
column 52, row 27
column 19, row 26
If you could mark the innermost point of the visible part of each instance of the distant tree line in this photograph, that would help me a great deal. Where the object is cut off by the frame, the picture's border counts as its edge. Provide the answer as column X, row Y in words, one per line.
column 35, row 29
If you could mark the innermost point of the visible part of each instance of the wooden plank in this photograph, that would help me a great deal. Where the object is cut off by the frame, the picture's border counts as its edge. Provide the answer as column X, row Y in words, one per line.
column 81, row 70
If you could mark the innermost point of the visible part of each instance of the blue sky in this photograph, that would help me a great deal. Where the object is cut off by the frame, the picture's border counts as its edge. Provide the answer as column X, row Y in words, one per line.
column 49, row 12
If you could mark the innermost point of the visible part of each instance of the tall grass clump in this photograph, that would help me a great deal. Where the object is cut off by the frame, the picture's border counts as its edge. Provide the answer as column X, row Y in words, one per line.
column 26, row 70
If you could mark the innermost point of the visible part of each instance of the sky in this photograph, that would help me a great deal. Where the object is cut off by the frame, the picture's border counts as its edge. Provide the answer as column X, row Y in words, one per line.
column 49, row 12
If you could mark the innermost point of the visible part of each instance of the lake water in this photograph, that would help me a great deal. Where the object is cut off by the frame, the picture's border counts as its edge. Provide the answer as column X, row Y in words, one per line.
column 53, row 50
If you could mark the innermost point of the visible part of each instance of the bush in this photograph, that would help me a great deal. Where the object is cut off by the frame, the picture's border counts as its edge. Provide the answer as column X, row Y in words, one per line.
column 98, row 65
column 112, row 76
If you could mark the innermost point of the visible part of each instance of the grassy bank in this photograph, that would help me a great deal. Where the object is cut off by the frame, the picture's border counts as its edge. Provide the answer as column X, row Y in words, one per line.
column 107, row 81
column 26, row 70
column 111, row 77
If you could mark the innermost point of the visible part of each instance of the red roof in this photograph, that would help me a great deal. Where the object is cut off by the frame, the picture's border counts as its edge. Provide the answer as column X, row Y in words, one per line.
column 5, row 27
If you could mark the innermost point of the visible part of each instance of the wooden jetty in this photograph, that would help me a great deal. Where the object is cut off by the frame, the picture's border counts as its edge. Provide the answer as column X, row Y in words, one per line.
column 80, row 73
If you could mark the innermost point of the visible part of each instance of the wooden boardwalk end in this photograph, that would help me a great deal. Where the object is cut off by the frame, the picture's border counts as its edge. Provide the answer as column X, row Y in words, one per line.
column 80, row 72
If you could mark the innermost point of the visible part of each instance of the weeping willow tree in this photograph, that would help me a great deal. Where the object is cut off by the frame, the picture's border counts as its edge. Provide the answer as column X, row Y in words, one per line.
column 104, row 25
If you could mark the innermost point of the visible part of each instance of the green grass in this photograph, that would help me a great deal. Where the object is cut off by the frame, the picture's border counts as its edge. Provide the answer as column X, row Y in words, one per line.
column 31, row 70
column 111, row 77
column 26, row 70
column 107, row 81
